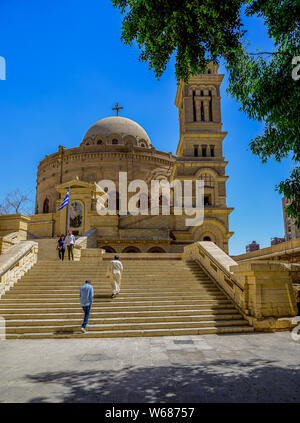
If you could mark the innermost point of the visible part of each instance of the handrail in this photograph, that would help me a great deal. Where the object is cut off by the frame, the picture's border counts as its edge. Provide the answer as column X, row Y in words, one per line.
column 228, row 275
column 16, row 261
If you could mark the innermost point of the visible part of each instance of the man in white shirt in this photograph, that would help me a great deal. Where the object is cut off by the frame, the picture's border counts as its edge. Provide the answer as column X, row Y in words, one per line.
column 70, row 241
column 114, row 271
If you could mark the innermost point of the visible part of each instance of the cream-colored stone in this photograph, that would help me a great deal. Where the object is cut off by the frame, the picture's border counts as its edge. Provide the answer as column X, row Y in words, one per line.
column 15, row 262
column 14, row 223
column 288, row 252
column 263, row 291
column 92, row 255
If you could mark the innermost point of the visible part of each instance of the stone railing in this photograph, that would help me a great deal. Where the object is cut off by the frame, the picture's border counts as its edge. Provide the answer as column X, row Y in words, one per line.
column 15, row 262
column 288, row 251
column 86, row 247
column 262, row 291
column 8, row 241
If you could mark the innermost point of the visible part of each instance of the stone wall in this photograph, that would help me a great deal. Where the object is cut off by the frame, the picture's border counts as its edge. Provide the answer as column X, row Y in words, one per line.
column 263, row 291
column 288, row 251
column 14, row 223
column 42, row 225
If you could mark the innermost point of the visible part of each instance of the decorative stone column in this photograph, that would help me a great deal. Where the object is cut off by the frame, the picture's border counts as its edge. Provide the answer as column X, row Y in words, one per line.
column 198, row 102
column 206, row 110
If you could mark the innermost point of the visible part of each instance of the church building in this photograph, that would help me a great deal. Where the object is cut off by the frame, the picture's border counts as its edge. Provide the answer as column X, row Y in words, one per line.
column 117, row 144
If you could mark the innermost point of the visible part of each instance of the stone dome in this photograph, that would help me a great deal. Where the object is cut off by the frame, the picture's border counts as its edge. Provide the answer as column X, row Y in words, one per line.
column 117, row 127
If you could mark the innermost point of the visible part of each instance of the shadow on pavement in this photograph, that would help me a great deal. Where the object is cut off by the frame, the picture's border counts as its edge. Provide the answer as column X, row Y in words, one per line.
column 216, row 381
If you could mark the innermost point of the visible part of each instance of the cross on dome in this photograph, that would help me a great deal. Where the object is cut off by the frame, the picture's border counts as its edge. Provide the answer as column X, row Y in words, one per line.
column 117, row 108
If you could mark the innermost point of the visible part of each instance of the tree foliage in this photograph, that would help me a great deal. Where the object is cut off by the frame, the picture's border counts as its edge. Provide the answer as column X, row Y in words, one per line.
column 262, row 83
column 200, row 31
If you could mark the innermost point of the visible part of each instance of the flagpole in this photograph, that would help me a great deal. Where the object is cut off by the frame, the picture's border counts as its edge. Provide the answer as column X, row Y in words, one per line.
column 65, row 203
column 68, row 221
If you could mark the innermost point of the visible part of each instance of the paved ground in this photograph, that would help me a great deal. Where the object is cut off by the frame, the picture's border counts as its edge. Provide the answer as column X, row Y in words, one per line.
column 210, row 368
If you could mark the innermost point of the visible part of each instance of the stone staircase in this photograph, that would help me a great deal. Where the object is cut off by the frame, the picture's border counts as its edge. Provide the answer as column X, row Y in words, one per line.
column 158, row 297
column 47, row 248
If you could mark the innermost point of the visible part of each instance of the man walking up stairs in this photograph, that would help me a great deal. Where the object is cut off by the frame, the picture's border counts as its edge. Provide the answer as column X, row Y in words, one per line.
column 114, row 272
column 86, row 301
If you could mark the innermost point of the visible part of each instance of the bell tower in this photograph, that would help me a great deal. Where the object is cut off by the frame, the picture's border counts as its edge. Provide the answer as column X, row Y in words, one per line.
column 200, row 152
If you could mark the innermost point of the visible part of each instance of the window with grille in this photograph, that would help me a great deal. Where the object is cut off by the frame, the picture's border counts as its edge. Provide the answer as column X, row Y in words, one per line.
column 208, row 180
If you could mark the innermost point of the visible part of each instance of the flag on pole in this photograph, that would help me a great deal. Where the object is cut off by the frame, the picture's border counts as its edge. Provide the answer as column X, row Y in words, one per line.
column 66, row 200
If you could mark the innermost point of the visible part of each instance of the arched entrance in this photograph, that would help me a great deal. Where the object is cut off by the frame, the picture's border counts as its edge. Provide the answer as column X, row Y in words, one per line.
column 108, row 249
column 131, row 250
column 156, row 250
column 46, row 206
column 206, row 238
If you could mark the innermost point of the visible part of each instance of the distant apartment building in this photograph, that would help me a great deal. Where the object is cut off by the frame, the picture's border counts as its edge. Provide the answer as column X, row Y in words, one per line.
column 276, row 240
column 252, row 247
column 290, row 229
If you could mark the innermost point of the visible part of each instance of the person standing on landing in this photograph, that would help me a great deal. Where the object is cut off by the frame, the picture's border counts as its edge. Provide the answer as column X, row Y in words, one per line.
column 70, row 241
column 86, row 300
column 114, row 271
column 61, row 246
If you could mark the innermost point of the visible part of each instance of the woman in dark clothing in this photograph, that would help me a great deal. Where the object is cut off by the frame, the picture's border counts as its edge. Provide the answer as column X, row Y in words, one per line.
column 61, row 246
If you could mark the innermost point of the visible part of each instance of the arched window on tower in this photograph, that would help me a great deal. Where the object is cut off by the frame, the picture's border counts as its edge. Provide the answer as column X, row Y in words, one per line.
column 208, row 180
column 207, row 200
column 210, row 107
column 99, row 142
column 202, row 111
column 115, row 141
column 46, row 206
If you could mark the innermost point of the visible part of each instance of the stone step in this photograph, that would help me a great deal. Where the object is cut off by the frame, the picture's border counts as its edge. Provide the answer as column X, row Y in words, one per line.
column 126, row 275
column 121, row 297
column 158, row 298
column 134, row 261
column 127, row 265
column 100, row 284
column 78, row 266
column 125, row 326
column 130, row 275
column 101, row 272
column 108, row 308
column 137, row 333
column 107, row 289
column 98, row 279
column 126, row 272
column 116, row 301
column 94, row 321
column 77, row 314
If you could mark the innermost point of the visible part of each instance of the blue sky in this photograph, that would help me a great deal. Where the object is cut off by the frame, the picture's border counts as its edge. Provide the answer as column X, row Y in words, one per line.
column 66, row 68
